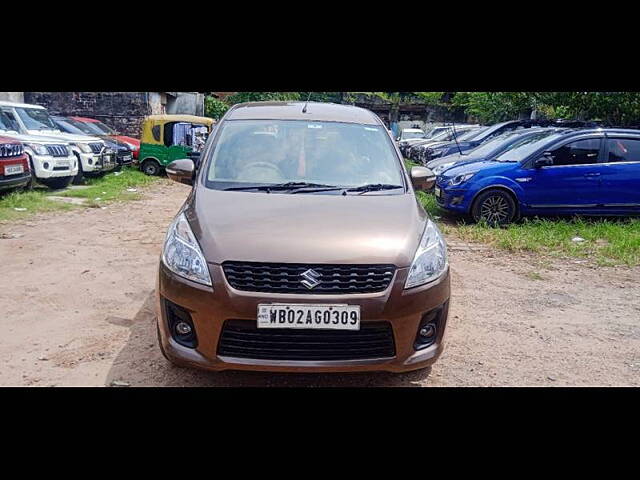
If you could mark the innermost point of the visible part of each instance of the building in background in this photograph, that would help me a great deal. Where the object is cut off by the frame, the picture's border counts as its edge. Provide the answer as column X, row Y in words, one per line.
column 124, row 111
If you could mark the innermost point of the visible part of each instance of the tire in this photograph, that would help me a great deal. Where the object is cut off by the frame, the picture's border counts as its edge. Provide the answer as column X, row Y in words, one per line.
column 57, row 183
column 150, row 167
column 79, row 178
column 496, row 207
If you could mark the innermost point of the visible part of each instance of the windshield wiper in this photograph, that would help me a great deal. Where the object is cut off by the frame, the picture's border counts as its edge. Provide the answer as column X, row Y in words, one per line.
column 371, row 187
column 283, row 186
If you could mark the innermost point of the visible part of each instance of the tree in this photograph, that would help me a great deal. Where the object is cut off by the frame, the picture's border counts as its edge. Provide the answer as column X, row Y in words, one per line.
column 214, row 108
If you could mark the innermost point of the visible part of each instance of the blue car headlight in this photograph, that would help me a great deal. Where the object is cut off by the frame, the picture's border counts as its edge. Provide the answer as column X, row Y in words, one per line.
column 458, row 179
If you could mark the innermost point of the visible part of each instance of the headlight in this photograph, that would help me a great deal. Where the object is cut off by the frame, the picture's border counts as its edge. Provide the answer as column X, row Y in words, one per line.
column 430, row 260
column 84, row 147
column 39, row 149
column 436, row 153
column 458, row 179
column 181, row 253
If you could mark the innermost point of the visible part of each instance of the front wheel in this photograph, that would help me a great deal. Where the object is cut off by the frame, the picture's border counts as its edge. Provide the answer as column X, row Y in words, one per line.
column 151, row 167
column 496, row 207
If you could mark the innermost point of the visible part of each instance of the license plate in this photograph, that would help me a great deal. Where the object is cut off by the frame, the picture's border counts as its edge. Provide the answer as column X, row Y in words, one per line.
column 13, row 169
column 284, row 315
column 126, row 158
column 438, row 192
column 62, row 164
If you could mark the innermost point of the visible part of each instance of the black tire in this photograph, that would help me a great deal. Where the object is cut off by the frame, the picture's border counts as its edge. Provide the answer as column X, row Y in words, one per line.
column 496, row 207
column 150, row 167
column 57, row 183
column 79, row 178
column 32, row 181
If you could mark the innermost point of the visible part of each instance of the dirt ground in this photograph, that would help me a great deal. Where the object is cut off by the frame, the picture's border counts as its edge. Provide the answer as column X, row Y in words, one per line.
column 76, row 291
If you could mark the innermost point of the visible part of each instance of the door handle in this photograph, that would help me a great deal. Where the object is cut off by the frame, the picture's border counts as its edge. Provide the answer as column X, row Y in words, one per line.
column 591, row 174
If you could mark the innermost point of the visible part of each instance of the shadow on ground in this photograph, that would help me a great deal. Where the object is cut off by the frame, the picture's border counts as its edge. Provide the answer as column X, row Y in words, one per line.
column 140, row 363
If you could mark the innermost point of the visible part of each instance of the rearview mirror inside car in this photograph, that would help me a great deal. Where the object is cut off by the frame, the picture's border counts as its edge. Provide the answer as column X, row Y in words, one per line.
column 422, row 178
column 181, row 171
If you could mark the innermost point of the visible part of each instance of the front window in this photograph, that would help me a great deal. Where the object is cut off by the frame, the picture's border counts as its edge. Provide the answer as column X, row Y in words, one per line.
column 36, row 119
column 581, row 152
column 7, row 123
column 85, row 127
column 102, row 128
column 257, row 152
column 69, row 127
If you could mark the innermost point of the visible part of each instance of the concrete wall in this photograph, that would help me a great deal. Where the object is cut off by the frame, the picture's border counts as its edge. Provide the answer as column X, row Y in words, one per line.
column 186, row 103
column 12, row 96
column 123, row 111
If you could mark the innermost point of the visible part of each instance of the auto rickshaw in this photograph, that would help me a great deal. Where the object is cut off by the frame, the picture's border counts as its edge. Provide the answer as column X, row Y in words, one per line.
column 166, row 138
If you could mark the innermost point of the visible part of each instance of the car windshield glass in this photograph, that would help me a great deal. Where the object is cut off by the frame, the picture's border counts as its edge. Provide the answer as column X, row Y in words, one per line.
column 527, row 146
column 36, row 119
column 495, row 144
column 67, row 126
column 264, row 152
column 6, row 123
column 407, row 135
column 471, row 134
column 84, row 127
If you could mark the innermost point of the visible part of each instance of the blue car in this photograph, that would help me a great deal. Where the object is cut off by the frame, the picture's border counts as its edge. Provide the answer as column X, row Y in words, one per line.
column 590, row 171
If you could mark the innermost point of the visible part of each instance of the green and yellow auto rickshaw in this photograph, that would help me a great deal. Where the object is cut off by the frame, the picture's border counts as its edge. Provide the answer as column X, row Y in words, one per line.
column 166, row 138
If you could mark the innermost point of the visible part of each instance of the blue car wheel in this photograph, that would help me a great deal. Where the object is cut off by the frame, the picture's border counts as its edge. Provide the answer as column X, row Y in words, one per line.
column 496, row 207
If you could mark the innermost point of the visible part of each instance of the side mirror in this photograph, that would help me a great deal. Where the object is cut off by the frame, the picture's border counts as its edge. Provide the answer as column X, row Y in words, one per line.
column 545, row 160
column 181, row 171
column 422, row 178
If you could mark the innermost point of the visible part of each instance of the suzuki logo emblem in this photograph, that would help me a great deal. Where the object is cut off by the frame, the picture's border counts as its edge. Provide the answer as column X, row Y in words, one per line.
column 311, row 279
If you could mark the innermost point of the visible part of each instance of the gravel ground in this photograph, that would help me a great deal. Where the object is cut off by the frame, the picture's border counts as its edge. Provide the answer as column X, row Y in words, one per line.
column 77, row 288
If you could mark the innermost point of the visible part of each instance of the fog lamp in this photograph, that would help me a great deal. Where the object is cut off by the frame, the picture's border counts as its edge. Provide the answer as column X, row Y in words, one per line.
column 428, row 331
column 183, row 328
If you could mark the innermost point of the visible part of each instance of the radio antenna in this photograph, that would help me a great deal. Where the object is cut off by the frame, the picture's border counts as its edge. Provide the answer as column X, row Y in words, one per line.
column 304, row 109
column 455, row 135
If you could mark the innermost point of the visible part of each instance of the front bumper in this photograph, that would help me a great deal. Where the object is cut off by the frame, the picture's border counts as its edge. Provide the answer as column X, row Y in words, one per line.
column 47, row 166
column 209, row 309
column 453, row 199
column 14, row 181
column 98, row 162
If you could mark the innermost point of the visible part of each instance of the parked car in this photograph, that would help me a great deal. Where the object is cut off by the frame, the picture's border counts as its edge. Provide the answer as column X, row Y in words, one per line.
column 490, row 149
column 351, row 273
column 411, row 134
column 51, row 161
column 90, row 151
column 101, row 129
column 166, row 138
column 122, row 151
column 14, row 165
column 416, row 152
column 443, row 149
column 590, row 171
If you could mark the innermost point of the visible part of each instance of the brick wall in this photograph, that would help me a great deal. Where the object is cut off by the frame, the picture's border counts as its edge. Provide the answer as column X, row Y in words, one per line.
column 123, row 111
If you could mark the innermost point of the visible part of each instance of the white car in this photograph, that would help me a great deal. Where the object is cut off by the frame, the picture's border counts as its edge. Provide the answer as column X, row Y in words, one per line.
column 52, row 161
column 34, row 120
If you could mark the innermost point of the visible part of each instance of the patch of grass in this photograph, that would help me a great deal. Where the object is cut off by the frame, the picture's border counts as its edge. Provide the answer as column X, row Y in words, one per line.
column 34, row 201
column 534, row 276
column 110, row 187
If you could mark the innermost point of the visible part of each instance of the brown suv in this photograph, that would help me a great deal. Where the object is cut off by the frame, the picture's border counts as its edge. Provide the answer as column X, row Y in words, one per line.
column 302, row 248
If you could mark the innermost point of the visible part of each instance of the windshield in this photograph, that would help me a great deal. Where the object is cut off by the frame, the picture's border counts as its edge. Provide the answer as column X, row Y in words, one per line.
column 408, row 135
column 494, row 144
column 36, row 119
column 250, row 152
column 6, row 123
column 93, row 128
column 67, row 126
column 522, row 149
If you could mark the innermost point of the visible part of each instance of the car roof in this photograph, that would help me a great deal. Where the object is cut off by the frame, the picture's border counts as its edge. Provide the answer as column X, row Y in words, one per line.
column 4, row 103
column 85, row 119
column 316, row 111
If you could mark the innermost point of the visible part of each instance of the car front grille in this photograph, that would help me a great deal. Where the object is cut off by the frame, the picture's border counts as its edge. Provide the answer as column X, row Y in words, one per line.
column 10, row 150
column 96, row 147
column 57, row 150
column 327, row 279
column 243, row 339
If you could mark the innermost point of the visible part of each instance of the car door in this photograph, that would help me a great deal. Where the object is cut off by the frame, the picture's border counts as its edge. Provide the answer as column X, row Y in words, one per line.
column 621, row 172
column 573, row 181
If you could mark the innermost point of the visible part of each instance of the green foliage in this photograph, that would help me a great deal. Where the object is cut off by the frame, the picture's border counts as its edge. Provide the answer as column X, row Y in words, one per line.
column 215, row 108
column 241, row 97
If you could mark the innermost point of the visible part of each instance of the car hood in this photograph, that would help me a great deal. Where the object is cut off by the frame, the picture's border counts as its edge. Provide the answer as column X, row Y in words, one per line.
column 306, row 228
column 69, row 137
column 31, row 138
column 131, row 140
column 475, row 166
column 454, row 158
